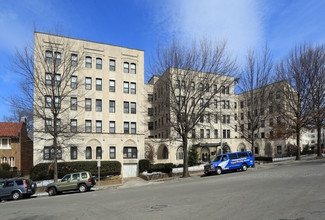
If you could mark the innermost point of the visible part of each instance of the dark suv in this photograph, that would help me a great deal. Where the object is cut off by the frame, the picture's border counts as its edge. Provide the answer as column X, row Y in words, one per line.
column 16, row 188
column 81, row 181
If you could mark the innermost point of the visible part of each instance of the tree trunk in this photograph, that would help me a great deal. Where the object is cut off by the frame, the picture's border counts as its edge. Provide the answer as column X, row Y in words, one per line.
column 55, row 161
column 185, row 161
column 298, row 145
column 319, row 146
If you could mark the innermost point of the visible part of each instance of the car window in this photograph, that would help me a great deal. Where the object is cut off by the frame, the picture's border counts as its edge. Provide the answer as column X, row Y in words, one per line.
column 83, row 175
column 66, row 178
column 76, row 176
column 242, row 155
column 250, row 154
column 2, row 184
column 217, row 158
column 19, row 182
column 232, row 156
column 224, row 158
column 9, row 184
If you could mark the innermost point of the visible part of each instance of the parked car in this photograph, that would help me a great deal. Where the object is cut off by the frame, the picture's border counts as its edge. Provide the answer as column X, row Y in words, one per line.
column 230, row 161
column 82, row 181
column 16, row 188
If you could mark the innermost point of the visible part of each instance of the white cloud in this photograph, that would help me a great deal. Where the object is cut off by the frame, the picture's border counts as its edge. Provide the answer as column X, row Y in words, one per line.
column 237, row 22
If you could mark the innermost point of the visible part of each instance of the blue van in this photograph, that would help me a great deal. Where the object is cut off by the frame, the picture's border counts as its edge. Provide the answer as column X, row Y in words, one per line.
column 230, row 161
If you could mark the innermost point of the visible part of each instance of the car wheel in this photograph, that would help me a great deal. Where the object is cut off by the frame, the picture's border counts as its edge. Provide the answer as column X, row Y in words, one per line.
column 15, row 195
column 82, row 188
column 218, row 171
column 244, row 167
column 52, row 191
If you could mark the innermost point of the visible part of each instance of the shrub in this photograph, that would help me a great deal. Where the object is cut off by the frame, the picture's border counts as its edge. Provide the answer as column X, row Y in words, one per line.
column 44, row 171
column 193, row 156
column 144, row 165
column 161, row 167
column 5, row 166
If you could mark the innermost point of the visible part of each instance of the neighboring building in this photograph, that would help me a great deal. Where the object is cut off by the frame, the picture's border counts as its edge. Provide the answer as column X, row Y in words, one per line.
column 114, row 115
column 16, row 148
column 108, row 119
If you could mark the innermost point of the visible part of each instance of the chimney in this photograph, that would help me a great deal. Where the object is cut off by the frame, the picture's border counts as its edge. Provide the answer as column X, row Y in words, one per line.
column 23, row 119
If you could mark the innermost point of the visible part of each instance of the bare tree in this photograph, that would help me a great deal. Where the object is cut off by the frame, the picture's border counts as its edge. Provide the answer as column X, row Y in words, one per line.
column 316, row 78
column 253, row 100
column 295, row 113
column 191, row 79
column 48, row 69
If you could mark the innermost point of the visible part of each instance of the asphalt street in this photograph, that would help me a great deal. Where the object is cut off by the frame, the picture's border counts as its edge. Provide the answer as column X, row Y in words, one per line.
column 290, row 190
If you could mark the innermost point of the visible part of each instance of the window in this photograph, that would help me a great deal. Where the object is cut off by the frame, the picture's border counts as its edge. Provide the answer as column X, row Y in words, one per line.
column 133, row 68
column 192, row 85
column 241, row 104
column 111, row 106
column 48, row 101
column 133, row 108
column 278, row 120
column 98, row 105
column 99, row 152
column 279, row 150
column 208, row 133
column 133, row 127
column 112, row 152
column 215, row 118
column 227, row 104
column 226, row 133
column 98, row 63
column 126, row 87
column 223, row 90
column 180, row 154
column 98, row 126
column 88, row 126
column 133, row 88
column 215, row 103
column 235, row 117
column 201, row 133
column 201, row 102
column 241, row 116
column 126, row 107
column 262, row 123
column 88, row 153
column 271, row 121
column 130, row 152
column 112, row 65
column 73, row 125
column 126, row 67
column 235, row 105
column 88, row 62
column 262, row 135
column 5, row 143
column 57, row 79
column 126, row 127
column 73, row 82
column 48, row 79
column 57, row 102
column 150, row 111
column 150, row 97
column 48, row 56
column 183, row 84
column 193, row 133
column 58, row 125
column 112, row 85
column 48, row 124
column 201, row 87
column 57, row 58
column 215, row 89
column 73, row 103
column 228, row 119
column 278, row 95
column 150, row 126
column 215, row 133
column 88, row 83
column 227, row 90
column 74, row 59
column 88, row 104
column 73, row 153
column 112, row 127
column 177, row 84
column 48, row 153
column 99, row 84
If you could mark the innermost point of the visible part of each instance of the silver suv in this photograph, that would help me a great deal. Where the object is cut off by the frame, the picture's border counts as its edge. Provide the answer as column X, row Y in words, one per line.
column 16, row 188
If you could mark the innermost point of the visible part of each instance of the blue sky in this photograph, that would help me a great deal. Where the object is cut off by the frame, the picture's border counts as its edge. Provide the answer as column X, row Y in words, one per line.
column 142, row 24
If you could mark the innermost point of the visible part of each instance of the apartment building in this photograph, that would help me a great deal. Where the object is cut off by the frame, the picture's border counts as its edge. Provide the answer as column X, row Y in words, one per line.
column 102, row 108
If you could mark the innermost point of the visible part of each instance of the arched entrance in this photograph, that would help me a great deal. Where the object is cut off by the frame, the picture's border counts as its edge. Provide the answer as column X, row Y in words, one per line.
column 205, row 154
column 162, row 153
